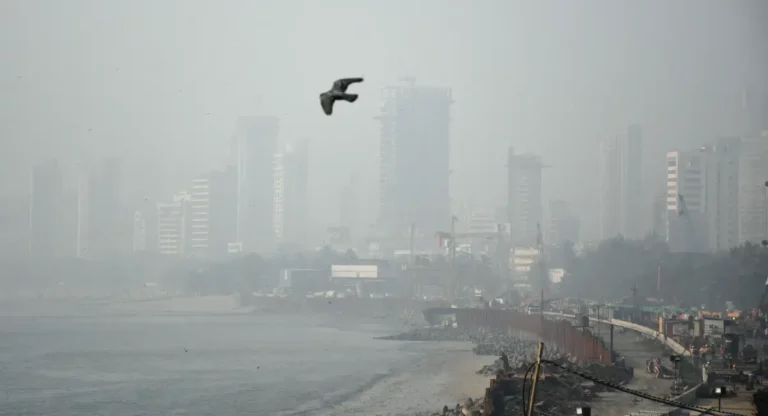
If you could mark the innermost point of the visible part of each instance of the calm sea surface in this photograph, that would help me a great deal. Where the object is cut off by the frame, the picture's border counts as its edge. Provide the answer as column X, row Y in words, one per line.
column 190, row 365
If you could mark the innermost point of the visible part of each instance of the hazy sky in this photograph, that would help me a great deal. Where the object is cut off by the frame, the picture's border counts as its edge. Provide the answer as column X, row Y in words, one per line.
column 551, row 77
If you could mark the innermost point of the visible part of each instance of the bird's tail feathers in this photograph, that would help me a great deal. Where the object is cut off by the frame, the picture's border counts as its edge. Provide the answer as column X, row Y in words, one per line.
column 349, row 97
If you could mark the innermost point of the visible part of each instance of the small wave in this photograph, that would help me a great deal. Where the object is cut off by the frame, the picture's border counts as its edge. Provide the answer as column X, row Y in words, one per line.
column 331, row 400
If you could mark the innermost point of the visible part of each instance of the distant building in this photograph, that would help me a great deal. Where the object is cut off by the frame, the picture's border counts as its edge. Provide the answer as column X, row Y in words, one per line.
column 524, row 203
column 291, row 176
column 621, row 188
column 563, row 223
column 222, row 219
column 256, row 146
column 100, row 224
column 45, row 211
column 172, row 225
column 482, row 223
column 723, row 186
column 415, row 162
column 139, row 232
column 687, row 229
column 659, row 215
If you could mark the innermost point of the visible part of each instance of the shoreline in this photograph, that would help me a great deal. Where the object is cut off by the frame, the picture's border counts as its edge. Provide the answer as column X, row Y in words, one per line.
column 443, row 373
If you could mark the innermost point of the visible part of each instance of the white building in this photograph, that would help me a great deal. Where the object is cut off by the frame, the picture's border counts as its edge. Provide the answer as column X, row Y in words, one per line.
column 172, row 225
column 199, row 217
column 482, row 223
column 290, row 179
column 723, row 186
column 686, row 202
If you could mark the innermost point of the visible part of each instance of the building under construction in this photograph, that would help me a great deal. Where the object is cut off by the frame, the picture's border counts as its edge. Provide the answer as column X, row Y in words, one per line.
column 415, row 162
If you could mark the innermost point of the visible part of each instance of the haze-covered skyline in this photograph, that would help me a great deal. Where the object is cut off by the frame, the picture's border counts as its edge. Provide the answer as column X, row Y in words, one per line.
column 88, row 79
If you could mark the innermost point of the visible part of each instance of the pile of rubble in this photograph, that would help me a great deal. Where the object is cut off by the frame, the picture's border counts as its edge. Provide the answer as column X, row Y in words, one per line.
column 559, row 392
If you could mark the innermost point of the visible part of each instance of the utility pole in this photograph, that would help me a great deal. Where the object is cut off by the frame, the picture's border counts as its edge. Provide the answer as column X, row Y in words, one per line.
column 541, row 311
column 634, row 302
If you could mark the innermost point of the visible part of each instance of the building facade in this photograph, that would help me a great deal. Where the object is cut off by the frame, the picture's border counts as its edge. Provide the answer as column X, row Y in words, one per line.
column 173, row 225
column 415, row 162
column 45, row 201
column 256, row 147
column 291, row 177
column 524, row 197
column 563, row 224
column 621, row 187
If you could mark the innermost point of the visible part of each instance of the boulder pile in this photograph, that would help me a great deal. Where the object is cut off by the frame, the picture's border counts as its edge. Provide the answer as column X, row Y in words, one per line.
column 560, row 392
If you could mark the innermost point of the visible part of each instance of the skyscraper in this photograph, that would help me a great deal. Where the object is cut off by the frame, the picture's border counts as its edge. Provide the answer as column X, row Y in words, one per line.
column 723, row 186
column 291, row 176
column 621, row 186
column 45, row 211
column 256, row 145
column 563, row 223
column 524, row 204
column 687, row 229
column 106, row 236
column 223, row 211
column 415, row 161
column 173, row 225
column 633, row 198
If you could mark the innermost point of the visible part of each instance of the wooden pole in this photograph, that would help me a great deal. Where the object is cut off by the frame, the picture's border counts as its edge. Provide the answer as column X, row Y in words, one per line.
column 535, row 378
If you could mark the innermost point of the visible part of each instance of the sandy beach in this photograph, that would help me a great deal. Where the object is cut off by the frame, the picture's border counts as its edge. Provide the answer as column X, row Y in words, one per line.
column 445, row 376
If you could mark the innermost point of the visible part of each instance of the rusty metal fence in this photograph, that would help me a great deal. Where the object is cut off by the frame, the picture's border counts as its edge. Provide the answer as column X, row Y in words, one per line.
column 577, row 342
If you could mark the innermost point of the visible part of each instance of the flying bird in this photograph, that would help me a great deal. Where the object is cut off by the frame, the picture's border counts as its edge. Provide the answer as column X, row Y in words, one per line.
column 338, row 92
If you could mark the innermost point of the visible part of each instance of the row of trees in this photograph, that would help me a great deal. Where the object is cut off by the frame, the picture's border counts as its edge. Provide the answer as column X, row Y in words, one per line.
column 615, row 266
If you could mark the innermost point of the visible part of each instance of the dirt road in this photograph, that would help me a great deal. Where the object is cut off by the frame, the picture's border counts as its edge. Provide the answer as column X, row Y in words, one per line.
column 630, row 345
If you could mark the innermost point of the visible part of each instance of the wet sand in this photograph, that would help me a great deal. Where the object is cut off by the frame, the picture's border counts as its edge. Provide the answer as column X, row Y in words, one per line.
column 445, row 376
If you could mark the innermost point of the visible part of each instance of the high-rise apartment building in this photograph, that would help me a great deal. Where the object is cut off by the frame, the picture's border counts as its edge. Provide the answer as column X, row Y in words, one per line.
column 686, row 202
column 173, row 225
column 621, row 187
column 223, row 211
column 563, row 223
column 723, row 187
column 291, row 176
column 45, row 211
column 633, row 198
column 101, row 231
column 524, row 197
column 256, row 146
column 415, row 162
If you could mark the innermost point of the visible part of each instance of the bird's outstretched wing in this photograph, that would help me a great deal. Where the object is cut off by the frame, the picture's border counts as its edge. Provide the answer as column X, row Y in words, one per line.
column 344, row 83
column 326, row 101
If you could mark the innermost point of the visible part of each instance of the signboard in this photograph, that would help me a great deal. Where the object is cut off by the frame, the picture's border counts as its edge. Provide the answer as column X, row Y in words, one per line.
column 350, row 271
